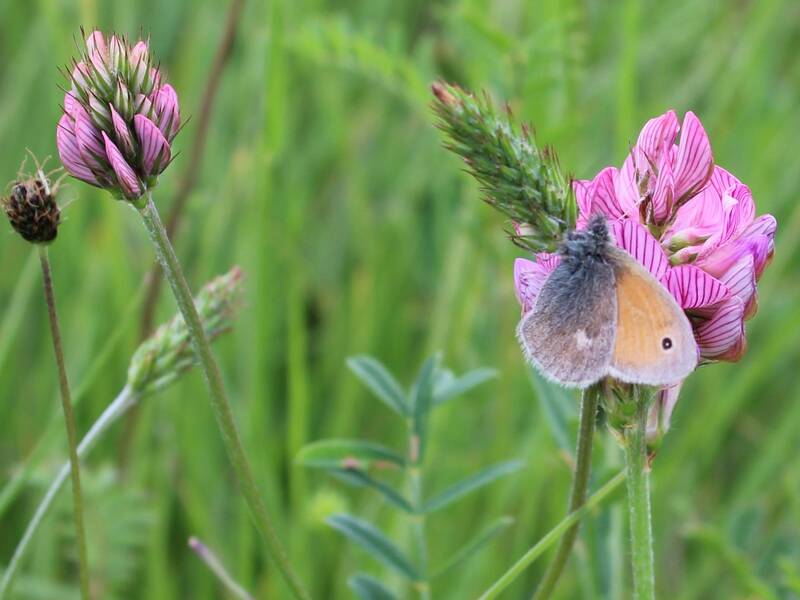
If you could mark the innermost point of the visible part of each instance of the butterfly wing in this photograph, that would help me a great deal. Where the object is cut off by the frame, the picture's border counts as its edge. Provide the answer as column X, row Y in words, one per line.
column 569, row 334
column 654, row 343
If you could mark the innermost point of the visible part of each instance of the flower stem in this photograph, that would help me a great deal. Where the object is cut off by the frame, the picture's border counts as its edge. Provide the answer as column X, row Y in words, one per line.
column 580, row 482
column 219, row 399
column 639, row 500
column 124, row 401
column 69, row 419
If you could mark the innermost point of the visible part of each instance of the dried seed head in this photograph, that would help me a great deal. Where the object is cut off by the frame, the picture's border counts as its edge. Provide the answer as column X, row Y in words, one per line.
column 31, row 208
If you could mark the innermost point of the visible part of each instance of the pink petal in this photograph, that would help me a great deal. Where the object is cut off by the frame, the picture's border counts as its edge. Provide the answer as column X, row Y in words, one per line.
column 90, row 143
column 720, row 334
column 122, row 133
column 167, row 111
column 640, row 243
column 663, row 195
column 140, row 63
column 660, row 416
column 128, row 181
column 694, row 288
column 116, row 53
column 597, row 197
column 80, row 75
column 718, row 262
column 154, row 146
column 657, row 136
column 96, row 43
column 530, row 276
column 71, row 104
column 763, row 225
column 626, row 187
column 695, row 160
column 582, row 189
column 70, row 153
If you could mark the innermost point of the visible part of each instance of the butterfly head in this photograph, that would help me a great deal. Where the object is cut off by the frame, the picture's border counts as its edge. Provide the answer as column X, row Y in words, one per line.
column 588, row 245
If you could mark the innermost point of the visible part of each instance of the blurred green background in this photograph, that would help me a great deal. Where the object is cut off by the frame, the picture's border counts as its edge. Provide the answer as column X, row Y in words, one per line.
column 326, row 181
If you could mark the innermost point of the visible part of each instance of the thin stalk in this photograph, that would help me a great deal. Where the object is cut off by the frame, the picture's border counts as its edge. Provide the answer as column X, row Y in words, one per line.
column 121, row 404
column 551, row 537
column 639, row 501
column 69, row 419
column 422, row 586
column 215, row 565
column 219, row 399
column 580, row 483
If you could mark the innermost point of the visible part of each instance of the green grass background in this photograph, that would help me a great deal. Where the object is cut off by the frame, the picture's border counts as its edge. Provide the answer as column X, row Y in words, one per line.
column 326, row 181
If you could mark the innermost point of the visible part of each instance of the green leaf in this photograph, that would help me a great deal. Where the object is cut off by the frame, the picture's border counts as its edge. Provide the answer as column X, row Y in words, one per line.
column 378, row 379
column 470, row 484
column 421, row 401
column 377, row 545
column 559, row 408
column 475, row 544
column 448, row 386
column 360, row 478
column 366, row 587
column 346, row 454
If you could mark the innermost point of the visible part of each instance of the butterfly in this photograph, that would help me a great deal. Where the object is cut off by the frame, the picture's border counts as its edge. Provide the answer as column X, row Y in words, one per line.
column 602, row 314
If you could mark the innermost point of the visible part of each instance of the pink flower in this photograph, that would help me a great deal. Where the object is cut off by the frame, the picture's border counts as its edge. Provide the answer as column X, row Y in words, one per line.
column 691, row 223
column 119, row 119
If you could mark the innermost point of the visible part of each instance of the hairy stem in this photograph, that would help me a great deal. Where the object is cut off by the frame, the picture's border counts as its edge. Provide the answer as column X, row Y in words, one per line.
column 69, row 419
column 219, row 399
column 124, row 401
column 580, row 482
column 639, row 501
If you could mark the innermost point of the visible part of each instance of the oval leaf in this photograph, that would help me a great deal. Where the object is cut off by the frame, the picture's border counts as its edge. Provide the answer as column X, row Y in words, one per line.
column 347, row 454
column 378, row 379
column 366, row 587
column 450, row 387
column 372, row 539
column 360, row 478
column 470, row 484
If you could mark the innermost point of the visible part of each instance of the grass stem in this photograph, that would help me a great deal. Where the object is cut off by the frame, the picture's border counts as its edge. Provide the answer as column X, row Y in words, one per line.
column 580, row 483
column 69, row 420
column 219, row 399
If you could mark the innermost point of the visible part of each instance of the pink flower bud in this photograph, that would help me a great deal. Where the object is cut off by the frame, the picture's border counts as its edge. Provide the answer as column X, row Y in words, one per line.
column 119, row 118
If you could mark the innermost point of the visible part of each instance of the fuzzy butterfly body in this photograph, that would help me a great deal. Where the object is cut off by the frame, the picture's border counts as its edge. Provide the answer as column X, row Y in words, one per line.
column 601, row 313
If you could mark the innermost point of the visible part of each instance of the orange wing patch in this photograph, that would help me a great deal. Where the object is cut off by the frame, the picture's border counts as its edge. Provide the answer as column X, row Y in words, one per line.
column 654, row 343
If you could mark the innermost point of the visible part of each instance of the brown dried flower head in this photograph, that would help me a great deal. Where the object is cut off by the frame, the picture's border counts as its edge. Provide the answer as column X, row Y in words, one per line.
column 31, row 207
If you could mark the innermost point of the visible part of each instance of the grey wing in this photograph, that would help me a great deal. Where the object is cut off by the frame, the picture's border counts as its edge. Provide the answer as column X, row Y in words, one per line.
column 569, row 335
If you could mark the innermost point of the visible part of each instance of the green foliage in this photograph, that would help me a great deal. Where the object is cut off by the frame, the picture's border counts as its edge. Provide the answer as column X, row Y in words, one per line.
column 520, row 180
column 350, row 461
column 326, row 181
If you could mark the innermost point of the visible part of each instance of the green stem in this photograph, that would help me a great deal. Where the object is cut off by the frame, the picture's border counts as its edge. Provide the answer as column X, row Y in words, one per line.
column 639, row 501
column 69, row 419
column 219, row 399
column 551, row 537
column 422, row 586
column 580, row 483
column 124, row 401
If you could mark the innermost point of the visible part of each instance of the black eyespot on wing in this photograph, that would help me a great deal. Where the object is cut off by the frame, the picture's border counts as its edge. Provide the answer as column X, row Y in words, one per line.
column 666, row 343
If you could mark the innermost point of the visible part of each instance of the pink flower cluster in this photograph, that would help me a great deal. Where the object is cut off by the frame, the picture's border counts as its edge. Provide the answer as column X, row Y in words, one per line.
column 690, row 222
column 119, row 118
